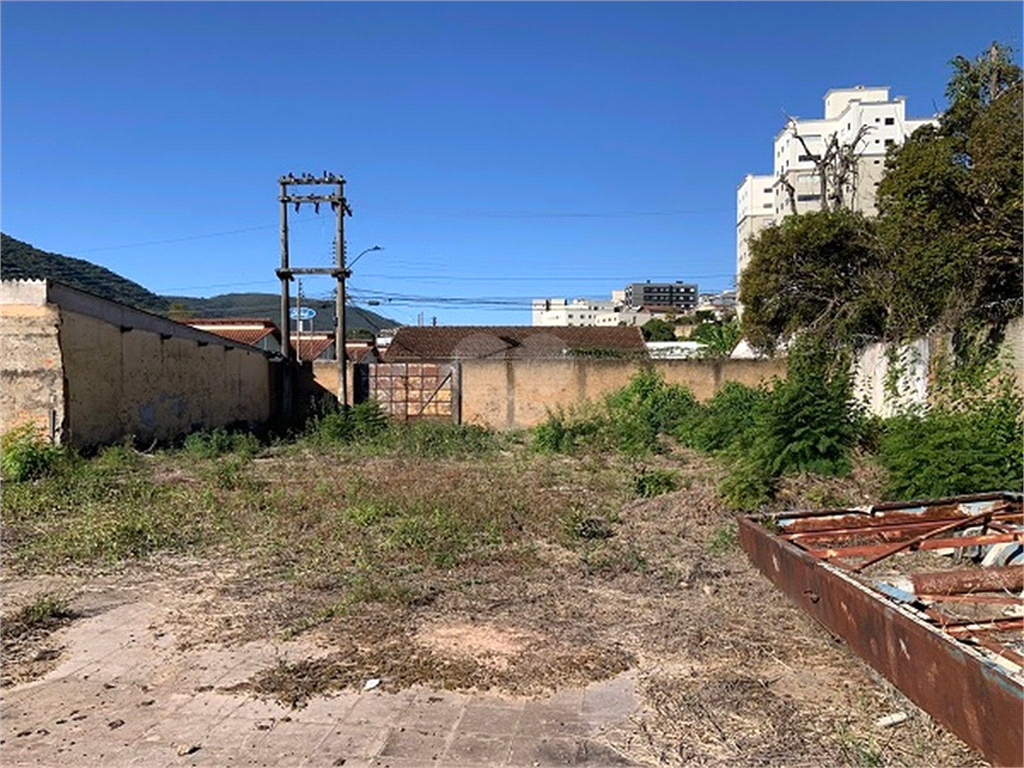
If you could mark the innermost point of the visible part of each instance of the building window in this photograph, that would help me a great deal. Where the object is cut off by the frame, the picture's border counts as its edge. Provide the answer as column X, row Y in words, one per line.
column 890, row 120
column 768, row 191
column 807, row 198
column 889, row 142
column 767, row 205
column 807, row 158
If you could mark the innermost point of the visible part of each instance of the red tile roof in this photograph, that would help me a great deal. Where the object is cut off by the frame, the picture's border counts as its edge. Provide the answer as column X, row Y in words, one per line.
column 263, row 322
column 450, row 342
column 357, row 353
column 244, row 330
column 311, row 347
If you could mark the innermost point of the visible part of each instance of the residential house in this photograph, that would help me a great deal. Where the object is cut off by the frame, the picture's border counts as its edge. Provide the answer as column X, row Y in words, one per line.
column 451, row 343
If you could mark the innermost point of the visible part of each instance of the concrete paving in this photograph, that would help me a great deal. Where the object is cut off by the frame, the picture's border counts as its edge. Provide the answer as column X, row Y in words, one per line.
column 124, row 695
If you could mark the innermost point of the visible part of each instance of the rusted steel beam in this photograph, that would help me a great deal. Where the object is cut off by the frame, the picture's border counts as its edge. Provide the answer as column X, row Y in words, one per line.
column 1000, row 650
column 993, row 599
column 986, row 626
column 961, row 688
column 953, row 542
column 1004, row 578
column 886, row 530
column 889, row 552
column 892, row 512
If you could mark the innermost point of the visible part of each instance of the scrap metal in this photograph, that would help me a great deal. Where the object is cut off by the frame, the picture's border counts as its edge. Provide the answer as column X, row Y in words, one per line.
column 926, row 592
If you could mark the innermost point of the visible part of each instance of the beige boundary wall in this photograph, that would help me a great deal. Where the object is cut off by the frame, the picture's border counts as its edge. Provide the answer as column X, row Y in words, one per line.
column 100, row 371
column 517, row 394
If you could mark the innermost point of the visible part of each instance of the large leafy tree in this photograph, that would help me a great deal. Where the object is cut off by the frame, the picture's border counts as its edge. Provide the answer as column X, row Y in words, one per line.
column 950, row 224
column 810, row 274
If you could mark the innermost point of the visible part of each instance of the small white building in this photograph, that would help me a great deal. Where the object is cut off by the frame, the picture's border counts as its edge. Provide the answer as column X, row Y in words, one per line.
column 578, row 312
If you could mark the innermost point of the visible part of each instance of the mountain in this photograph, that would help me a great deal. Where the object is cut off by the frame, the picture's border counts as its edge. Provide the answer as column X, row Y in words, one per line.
column 269, row 305
column 21, row 261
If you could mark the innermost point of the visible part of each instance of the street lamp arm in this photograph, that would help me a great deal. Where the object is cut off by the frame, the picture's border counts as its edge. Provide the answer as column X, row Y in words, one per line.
column 363, row 253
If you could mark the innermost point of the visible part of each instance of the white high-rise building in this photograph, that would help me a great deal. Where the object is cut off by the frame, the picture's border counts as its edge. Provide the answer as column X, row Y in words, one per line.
column 865, row 119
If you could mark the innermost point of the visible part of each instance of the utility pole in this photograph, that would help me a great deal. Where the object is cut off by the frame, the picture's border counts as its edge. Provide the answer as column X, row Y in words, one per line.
column 286, row 272
column 298, row 320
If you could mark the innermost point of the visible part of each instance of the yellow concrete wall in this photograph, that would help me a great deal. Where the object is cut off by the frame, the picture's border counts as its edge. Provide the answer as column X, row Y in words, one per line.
column 519, row 394
column 31, row 371
column 135, row 382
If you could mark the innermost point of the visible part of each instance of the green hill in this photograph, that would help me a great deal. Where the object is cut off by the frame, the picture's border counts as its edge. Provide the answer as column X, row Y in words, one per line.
column 21, row 261
column 269, row 305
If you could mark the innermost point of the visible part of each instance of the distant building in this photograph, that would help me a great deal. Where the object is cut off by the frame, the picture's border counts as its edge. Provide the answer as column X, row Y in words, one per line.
column 578, row 312
column 314, row 345
column 258, row 332
column 678, row 295
column 446, row 343
column 674, row 350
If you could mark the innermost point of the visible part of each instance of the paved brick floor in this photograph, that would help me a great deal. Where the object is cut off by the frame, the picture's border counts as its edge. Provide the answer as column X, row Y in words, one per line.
column 124, row 696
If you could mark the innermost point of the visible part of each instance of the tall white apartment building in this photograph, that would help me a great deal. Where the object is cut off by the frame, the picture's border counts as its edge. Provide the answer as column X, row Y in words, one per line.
column 865, row 118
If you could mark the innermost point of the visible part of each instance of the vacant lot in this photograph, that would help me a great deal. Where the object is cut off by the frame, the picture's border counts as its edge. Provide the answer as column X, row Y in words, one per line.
column 463, row 560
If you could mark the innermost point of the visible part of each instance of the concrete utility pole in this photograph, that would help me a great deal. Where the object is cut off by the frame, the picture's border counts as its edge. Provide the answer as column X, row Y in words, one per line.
column 339, row 272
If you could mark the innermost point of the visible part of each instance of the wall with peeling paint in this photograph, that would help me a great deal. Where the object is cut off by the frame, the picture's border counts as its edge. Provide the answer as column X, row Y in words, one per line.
column 122, row 372
column 31, row 368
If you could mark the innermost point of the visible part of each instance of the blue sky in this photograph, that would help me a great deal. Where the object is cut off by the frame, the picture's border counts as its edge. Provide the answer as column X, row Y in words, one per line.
column 495, row 150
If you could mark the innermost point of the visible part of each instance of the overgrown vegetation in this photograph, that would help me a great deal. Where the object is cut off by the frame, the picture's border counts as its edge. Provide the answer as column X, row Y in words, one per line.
column 26, row 455
column 965, row 446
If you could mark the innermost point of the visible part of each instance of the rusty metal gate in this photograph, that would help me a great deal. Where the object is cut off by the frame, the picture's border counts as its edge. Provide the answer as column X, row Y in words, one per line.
column 411, row 391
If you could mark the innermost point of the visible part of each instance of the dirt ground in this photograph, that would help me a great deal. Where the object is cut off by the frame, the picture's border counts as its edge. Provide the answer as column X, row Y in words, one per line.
column 730, row 672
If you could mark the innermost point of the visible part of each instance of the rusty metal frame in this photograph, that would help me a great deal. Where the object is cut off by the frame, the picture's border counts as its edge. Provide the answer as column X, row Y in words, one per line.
column 966, row 673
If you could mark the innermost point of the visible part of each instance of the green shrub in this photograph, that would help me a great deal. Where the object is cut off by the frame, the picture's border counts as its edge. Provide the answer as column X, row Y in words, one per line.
column 209, row 444
column 807, row 423
column 972, row 447
column 646, row 408
column 359, row 423
column 655, row 482
column 26, row 455
column 725, row 421
column 562, row 433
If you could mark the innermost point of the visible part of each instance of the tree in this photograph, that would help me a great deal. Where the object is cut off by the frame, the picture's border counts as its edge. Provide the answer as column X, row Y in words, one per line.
column 950, row 208
column 810, row 273
column 719, row 338
column 836, row 167
column 657, row 329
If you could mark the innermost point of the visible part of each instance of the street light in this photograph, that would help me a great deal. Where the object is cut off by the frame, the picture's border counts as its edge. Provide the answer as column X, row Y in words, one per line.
column 346, row 271
column 362, row 253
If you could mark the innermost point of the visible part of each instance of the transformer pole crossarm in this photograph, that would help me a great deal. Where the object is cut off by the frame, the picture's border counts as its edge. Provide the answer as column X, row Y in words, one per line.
column 289, row 274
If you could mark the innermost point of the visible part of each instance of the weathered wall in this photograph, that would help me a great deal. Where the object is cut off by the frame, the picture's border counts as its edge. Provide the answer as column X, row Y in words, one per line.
column 519, row 393
column 131, row 381
column 106, row 371
column 889, row 378
column 31, row 370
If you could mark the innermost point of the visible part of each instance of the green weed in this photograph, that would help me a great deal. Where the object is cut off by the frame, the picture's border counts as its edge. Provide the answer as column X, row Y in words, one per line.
column 655, row 482
column 212, row 443
column 26, row 455
column 46, row 612
column 724, row 540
